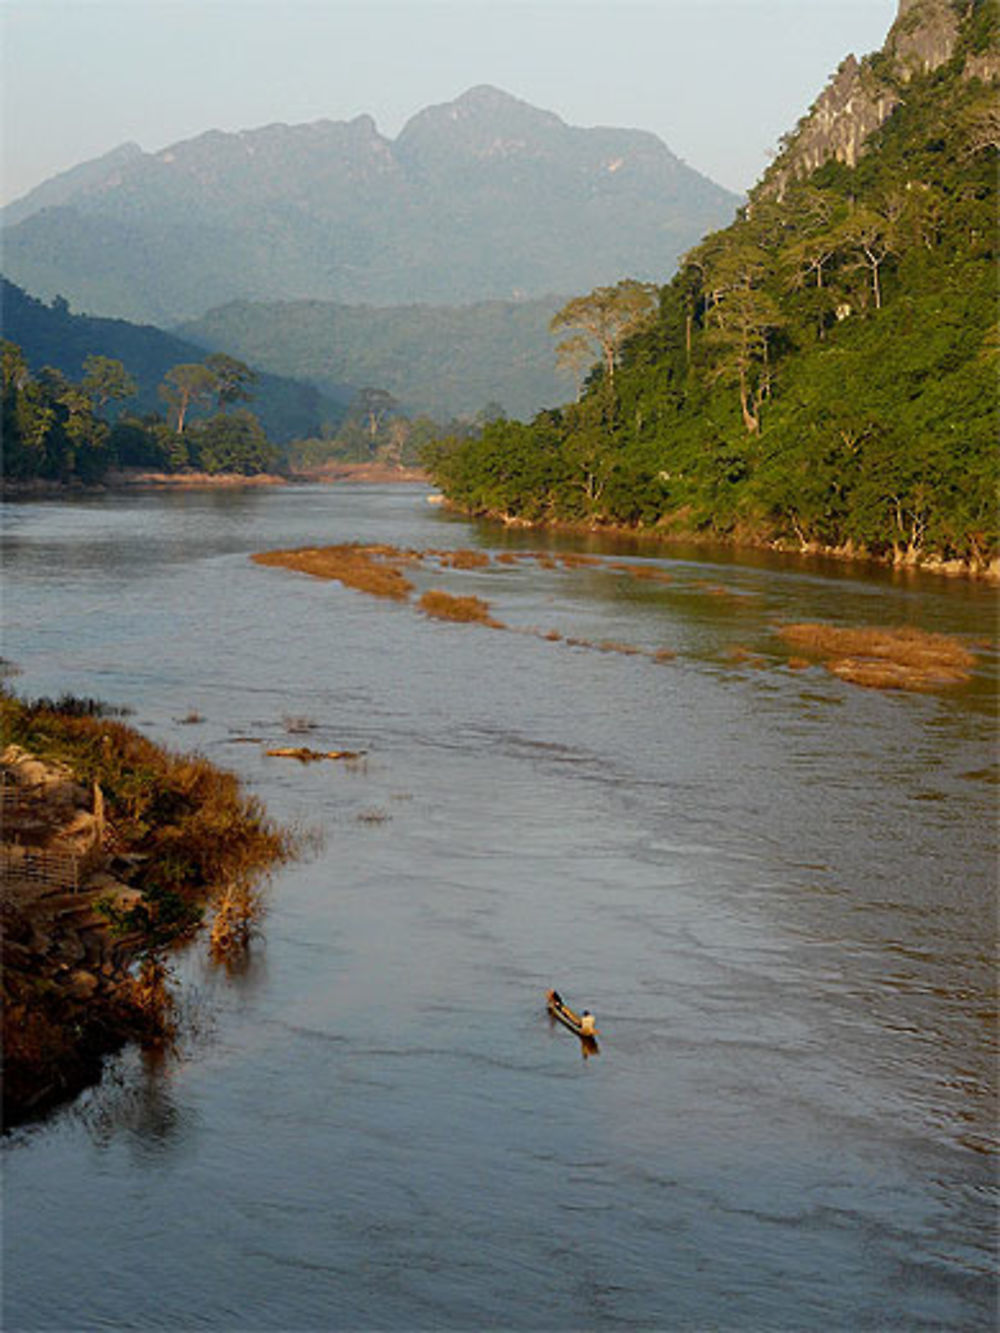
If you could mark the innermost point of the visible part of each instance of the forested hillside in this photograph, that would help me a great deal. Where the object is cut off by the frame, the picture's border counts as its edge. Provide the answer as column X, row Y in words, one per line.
column 822, row 372
column 442, row 361
column 51, row 335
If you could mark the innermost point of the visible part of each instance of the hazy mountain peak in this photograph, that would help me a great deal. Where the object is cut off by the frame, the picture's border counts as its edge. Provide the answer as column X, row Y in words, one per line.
column 95, row 173
column 481, row 119
column 481, row 197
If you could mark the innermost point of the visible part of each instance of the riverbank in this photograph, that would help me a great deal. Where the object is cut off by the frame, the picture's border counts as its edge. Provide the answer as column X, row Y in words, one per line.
column 132, row 479
column 113, row 850
column 366, row 473
column 671, row 534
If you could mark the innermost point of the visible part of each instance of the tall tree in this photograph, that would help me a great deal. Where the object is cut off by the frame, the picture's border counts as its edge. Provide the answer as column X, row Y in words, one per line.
column 106, row 380
column 232, row 378
column 186, row 386
column 373, row 406
column 607, row 317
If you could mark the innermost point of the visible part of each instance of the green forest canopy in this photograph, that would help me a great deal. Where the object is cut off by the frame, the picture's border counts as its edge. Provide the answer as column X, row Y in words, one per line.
column 823, row 371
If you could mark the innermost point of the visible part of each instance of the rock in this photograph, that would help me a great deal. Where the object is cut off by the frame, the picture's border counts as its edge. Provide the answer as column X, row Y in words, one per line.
column 82, row 984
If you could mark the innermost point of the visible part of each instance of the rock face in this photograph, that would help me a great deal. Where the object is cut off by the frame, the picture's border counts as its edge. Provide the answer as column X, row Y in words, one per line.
column 857, row 100
column 923, row 36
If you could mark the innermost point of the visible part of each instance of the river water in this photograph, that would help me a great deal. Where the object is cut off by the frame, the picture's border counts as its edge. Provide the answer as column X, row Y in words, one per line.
column 776, row 890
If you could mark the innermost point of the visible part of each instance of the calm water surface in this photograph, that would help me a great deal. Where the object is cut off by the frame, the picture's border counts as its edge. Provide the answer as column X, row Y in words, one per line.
column 777, row 891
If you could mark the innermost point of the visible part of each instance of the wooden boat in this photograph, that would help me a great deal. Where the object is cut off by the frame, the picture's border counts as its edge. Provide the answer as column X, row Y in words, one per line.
column 569, row 1018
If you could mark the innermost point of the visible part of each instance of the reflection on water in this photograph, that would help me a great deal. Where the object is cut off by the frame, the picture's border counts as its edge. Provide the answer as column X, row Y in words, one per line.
column 777, row 891
column 134, row 1104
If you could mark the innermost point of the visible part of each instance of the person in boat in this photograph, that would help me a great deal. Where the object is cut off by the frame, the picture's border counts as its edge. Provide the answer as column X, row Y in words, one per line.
column 556, row 999
column 587, row 1023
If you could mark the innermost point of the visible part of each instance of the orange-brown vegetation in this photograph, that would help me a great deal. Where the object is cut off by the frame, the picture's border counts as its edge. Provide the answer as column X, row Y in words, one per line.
column 902, row 658
column 664, row 655
column 446, row 606
column 180, row 829
column 648, row 572
column 464, row 559
column 577, row 560
column 613, row 646
column 371, row 569
column 238, row 910
column 306, row 756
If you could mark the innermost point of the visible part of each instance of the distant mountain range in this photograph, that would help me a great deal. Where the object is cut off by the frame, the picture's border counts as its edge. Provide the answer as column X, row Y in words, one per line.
column 483, row 198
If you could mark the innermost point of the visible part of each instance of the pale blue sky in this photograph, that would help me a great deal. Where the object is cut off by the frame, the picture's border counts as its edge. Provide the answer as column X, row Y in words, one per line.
column 717, row 80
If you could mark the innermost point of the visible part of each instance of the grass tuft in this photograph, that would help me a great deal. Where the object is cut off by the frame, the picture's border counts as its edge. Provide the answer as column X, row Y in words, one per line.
column 884, row 658
column 372, row 569
column 465, row 559
column 467, row 610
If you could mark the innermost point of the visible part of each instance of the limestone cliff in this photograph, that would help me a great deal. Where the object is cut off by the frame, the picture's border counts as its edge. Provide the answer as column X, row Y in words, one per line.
column 863, row 93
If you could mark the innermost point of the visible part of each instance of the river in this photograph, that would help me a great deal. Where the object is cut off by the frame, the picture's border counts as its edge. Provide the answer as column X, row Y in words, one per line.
column 776, row 890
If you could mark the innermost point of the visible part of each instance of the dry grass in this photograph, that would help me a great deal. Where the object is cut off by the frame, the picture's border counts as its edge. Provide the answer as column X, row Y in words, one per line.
column 372, row 569
column 306, row 756
column 464, row 559
column 648, row 573
column 153, row 998
column 238, row 910
column 465, row 610
column 373, row 817
column 613, row 646
column 664, row 655
column 884, row 658
column 576, row 560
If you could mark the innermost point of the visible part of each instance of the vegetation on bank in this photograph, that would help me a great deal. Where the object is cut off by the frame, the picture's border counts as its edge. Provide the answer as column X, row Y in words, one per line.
column 57, row 430
column 189, row 839
column 65, row 430
column 49, row 333
column 821, row 373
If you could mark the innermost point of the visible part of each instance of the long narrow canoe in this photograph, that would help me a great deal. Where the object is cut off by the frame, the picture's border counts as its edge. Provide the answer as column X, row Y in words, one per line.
column 568, row 1017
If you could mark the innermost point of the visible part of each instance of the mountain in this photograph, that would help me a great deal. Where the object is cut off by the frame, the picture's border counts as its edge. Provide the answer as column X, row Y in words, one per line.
column 823, row 372
column 52, row 336
column 443, row 361
column 482, row 198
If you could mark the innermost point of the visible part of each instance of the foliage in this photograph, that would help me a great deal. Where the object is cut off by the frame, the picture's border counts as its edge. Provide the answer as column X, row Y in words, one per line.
column 188, row 819
column 823, row 371
column 53, row 429
column 82, row 346
column 440, row 361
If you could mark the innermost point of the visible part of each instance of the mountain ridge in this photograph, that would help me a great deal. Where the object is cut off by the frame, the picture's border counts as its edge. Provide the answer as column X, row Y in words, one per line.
column 484, row 197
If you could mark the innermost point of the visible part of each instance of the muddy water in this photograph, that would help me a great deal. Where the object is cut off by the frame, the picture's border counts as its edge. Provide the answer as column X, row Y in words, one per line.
column 776, row 890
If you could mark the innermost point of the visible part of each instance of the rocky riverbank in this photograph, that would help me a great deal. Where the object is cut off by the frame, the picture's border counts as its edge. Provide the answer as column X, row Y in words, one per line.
column 112, row 850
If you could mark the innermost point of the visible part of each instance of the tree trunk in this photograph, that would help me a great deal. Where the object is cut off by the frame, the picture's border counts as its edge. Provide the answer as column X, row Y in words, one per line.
column 749, row 419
